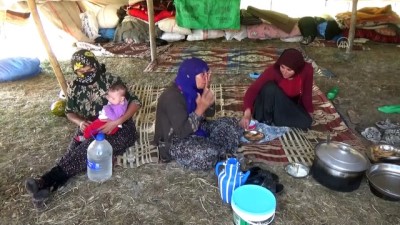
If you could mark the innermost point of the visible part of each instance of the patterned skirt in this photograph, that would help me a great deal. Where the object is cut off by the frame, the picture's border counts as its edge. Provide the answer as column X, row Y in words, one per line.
column 202, row 153
column 74, row 160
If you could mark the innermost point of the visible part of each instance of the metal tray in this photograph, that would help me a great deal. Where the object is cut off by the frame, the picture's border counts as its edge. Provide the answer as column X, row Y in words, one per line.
column 385, row 179
column 383, row 153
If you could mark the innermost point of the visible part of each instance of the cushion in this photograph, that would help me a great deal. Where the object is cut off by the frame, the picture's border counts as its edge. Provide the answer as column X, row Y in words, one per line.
column 18, row 68
column 107, row 33
column 198, row 35
column 107, row 16
column 169, row 25
column 171, row 37
column 269, row 31
column 142, row 14
column 236, row 34
column 89, row 24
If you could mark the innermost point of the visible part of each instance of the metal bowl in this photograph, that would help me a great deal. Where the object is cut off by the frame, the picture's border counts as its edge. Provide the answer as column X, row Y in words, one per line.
column 383, row 153
column 384, row 180
column 253, row 135
column 297, row 170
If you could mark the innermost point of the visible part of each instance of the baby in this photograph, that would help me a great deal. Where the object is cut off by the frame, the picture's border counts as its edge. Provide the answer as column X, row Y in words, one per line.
column 116, row 107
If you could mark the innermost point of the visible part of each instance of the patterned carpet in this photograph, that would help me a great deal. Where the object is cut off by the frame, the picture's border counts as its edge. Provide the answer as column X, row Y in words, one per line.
column 124, row 50
column 221, row 60
column 225, row 60
column 294, row 146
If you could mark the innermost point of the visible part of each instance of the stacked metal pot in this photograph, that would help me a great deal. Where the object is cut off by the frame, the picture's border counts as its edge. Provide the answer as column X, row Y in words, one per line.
column 341, row 168
column 338, row 166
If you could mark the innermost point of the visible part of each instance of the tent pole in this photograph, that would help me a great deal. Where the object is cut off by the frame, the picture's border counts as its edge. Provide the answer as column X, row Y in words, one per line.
column 52, row 58
column 150, row 13
column 352, row 29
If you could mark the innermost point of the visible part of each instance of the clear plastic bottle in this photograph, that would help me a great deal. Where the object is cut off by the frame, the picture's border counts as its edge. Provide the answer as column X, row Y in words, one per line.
column 99, row 159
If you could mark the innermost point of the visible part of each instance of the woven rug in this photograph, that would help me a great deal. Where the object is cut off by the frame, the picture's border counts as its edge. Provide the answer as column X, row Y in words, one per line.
column 221, row 60
column 126, row 50
column 294, row 146
column 225, row 60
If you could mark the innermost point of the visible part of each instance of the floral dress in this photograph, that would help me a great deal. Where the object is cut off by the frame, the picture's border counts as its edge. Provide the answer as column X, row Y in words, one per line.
column 87, row 101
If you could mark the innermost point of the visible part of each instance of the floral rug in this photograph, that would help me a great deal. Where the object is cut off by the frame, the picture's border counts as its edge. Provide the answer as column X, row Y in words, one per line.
column 294, row 146
column 224, row 60
column 126, row 50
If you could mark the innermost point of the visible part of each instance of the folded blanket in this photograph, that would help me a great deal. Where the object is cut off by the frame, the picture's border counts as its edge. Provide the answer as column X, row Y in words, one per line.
column 280, row 20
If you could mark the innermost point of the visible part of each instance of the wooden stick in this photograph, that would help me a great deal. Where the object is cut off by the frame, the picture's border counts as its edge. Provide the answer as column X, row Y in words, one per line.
column 352, row 29
column 150, row 13
column 52, row 58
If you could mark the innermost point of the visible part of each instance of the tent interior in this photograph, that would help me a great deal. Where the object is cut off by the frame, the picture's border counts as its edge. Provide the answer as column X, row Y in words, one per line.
column 62, row 23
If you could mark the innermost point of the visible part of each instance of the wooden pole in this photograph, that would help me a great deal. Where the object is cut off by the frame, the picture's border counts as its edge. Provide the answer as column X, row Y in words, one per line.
column 52, row 58
column 150, row 13
column 352, row 29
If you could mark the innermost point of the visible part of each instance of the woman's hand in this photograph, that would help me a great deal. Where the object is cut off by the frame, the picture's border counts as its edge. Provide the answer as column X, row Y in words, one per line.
column 204, row 101
column 244, row 122
column 83, row 124
column 109, row 126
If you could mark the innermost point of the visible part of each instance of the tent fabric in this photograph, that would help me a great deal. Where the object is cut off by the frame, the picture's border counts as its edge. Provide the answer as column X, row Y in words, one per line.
column 65, row 15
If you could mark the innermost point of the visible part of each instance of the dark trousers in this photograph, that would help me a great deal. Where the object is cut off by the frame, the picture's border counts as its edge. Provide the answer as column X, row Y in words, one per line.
column 273, row 106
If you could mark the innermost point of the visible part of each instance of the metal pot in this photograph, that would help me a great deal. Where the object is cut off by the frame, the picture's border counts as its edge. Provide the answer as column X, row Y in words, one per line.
column 338, row 166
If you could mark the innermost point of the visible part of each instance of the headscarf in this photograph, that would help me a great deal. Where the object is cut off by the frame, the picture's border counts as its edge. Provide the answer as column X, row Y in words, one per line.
column 291, row 58
column 84, row 58
column 186, row 82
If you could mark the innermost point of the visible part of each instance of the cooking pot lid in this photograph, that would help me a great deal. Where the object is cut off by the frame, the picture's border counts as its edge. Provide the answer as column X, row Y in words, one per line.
column 342, row 157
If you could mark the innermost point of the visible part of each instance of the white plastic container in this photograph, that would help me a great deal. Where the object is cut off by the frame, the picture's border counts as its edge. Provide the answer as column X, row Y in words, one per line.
column 253, row 204
column 99, row 159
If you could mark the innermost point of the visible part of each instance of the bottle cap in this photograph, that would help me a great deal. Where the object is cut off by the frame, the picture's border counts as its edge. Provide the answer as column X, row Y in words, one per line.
column 100, row 137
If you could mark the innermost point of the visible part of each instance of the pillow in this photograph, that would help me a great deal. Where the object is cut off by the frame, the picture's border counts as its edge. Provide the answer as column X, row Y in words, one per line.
column 107, row 16
column 107, row 33
column 171, row 37
column 236, row 34
column 90, row 27
column 269, row 31
column 18, row 68
column 142, row 14
column 198, row 35
column 169, row 25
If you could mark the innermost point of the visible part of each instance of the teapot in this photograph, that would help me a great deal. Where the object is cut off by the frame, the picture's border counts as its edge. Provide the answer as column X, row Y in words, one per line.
column 229, row 178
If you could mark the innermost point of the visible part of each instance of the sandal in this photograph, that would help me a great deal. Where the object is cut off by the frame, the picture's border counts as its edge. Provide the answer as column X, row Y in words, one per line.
column 387, row 124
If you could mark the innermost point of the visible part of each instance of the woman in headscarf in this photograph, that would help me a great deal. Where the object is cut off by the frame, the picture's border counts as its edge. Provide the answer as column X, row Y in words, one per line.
column 181, row 132
column 85, row 98
column 282, row 95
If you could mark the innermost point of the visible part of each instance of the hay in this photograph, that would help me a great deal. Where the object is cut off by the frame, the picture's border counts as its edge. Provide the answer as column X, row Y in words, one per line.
column 32, row 139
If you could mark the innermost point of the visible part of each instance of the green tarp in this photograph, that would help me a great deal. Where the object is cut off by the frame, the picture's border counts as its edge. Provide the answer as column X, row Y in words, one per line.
column 208, row 14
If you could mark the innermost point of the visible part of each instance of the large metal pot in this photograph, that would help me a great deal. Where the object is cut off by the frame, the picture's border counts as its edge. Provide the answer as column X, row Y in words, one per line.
column 338, row 166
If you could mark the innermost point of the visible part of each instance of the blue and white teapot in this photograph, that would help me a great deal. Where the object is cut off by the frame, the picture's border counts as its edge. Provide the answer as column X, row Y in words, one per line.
column 229, row 178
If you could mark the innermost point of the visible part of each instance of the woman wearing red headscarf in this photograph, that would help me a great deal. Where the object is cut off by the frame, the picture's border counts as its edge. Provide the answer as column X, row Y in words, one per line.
column 282, row 95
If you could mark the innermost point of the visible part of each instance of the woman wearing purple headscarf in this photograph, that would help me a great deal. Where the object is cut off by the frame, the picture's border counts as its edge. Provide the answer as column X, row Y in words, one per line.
column 181, row 131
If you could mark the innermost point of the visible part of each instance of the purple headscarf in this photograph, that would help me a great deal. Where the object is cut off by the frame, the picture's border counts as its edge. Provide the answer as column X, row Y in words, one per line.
column 186, row 81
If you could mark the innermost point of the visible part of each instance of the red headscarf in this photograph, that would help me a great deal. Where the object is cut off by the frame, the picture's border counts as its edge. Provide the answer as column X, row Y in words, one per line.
column 291, row 58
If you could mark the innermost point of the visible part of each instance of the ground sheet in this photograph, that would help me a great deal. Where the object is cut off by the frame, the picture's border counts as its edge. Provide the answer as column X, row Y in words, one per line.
column 294, row 146
column 127, row 50
column 225, row 59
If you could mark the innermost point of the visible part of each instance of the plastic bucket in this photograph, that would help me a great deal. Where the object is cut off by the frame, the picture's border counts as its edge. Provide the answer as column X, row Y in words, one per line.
column 253, row 204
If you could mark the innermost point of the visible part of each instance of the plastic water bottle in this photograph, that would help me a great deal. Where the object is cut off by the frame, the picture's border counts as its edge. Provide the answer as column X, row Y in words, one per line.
column 99, row 159
column 332, row 93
